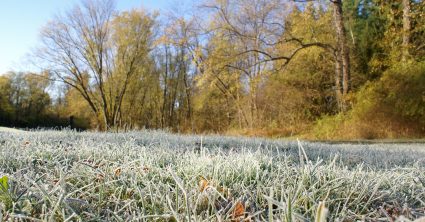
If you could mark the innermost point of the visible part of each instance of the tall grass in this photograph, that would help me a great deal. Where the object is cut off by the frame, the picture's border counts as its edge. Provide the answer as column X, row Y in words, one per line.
column 157, row 176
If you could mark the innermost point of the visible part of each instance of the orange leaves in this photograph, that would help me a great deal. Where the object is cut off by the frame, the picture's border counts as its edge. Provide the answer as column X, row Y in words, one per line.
column 238, row 211
column 203, row 184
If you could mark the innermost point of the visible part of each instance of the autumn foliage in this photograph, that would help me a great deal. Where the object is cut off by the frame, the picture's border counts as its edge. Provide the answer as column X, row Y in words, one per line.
column 312, row 69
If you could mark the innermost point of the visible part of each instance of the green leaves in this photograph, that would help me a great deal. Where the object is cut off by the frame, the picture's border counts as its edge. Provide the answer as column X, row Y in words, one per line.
column 5, row 197
column 4, row 184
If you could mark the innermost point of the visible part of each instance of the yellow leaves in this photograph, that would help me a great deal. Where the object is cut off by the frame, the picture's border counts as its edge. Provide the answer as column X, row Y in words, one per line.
column 5, row 197
column 4, row 183
column 162, row 40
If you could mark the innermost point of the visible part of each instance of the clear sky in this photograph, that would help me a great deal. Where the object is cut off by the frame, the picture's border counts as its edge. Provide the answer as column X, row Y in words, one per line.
column 21, row 21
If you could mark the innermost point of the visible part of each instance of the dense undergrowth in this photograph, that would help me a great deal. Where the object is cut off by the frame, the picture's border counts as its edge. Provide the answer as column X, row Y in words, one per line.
column 157, row 176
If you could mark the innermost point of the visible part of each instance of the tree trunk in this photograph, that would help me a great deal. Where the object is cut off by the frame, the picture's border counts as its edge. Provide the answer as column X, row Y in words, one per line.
column 338, row 84
column 164, row 115
column 406, row 29
column 188, row 95
column 343, row 52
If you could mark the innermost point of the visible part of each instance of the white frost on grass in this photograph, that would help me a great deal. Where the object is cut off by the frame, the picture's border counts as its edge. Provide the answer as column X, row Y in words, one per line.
column 6, row 129
column 154, row 175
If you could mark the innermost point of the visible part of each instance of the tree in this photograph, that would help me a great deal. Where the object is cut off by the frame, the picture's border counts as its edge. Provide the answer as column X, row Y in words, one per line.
column 342, row 55
column 72, row 104
column 303, row 91
column 366, row 27
column 221, row 100
column 6, row 108
column 182, row 63
column 98, row 53
column 406, row 29
column 342, row 63
column 244, row 65
column 24, row 99
column 266, row 31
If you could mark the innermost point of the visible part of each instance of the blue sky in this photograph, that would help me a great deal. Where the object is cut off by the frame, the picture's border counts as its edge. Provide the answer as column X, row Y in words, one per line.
column 21, row 21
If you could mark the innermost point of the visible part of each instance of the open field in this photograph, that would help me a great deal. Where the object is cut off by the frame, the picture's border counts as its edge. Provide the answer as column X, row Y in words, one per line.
column 151, row 175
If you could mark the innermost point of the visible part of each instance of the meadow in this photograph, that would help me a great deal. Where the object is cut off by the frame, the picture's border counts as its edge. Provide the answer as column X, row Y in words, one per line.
column 159, row 176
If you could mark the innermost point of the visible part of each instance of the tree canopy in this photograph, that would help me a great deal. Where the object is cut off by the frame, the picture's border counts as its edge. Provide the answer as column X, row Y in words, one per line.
column 315, row 69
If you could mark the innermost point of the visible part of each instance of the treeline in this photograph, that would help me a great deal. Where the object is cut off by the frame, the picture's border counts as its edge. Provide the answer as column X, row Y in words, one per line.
column 318, row 69
column 26, row 103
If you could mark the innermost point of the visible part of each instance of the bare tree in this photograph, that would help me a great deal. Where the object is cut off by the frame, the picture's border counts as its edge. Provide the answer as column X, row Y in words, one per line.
column 83, row 49
column 180, row 40
column 262, row 28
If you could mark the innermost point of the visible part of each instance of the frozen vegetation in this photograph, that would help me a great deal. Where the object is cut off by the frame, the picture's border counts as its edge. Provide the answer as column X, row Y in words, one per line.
column 6, row 129
column 158, row 176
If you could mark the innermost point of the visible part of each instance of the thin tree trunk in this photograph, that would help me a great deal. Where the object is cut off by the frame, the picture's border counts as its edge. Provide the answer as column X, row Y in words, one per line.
column 165, row 93
column 338, row 85
column 406, row 29
column 173, row 117
column 188, row 97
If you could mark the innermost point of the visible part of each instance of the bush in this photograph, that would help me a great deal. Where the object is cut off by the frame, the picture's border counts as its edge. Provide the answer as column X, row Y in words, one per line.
column 391, row 107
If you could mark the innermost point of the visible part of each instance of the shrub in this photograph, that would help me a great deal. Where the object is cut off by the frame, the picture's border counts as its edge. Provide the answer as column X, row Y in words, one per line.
column 391, row 107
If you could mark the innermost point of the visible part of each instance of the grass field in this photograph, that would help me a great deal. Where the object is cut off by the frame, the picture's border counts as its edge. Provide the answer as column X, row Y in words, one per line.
column 157, row 176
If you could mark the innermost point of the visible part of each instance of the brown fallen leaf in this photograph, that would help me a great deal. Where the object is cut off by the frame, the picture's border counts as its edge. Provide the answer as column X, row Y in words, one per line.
column 146, row 169
column 203, row 184
column 117, row 172
column 238, row 211
column 100, row 177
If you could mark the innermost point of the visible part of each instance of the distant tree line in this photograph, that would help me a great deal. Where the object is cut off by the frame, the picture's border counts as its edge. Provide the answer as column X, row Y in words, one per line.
column 315, row 68
column 26, row 103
